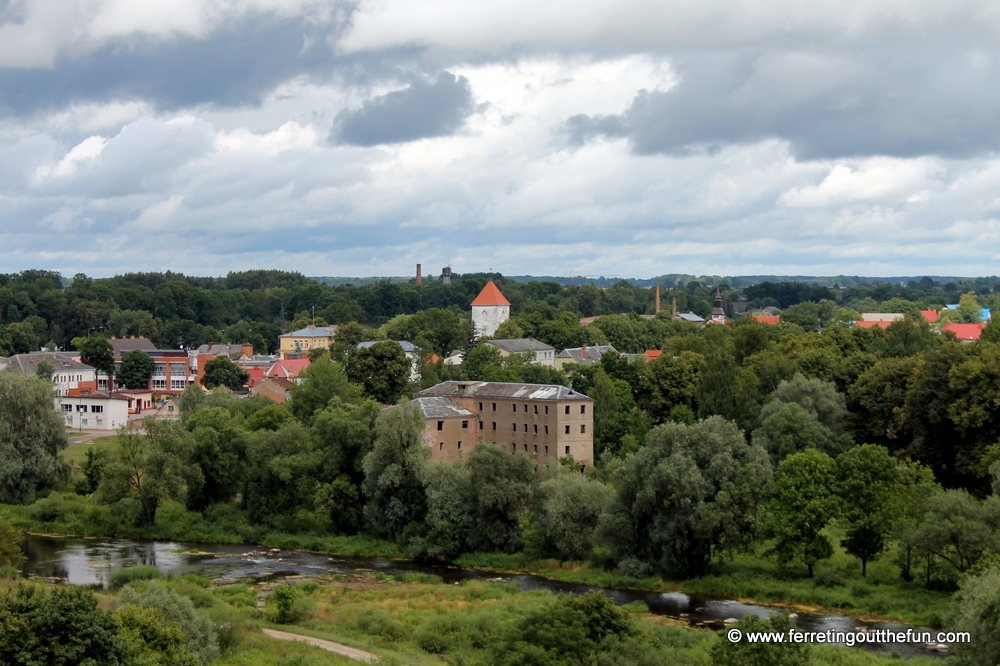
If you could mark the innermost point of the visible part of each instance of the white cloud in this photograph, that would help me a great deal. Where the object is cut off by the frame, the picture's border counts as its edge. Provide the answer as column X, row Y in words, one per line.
column 874, row 179
column 87, row 151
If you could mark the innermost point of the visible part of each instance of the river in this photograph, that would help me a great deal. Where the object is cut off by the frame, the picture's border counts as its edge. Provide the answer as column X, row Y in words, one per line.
column 90, row 561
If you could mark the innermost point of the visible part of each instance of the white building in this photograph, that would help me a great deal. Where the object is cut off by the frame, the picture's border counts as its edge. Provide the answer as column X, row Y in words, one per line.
column 489, row 310
column 94, row 411
column 67, row 373
column 542, row 354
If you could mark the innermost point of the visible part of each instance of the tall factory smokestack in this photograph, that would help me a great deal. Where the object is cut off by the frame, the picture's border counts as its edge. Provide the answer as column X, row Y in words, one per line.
column 673, row 308
column 657, row 298
column 419, row 278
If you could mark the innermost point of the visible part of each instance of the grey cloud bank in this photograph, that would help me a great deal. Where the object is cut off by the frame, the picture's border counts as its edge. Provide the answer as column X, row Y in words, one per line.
column 633, row 138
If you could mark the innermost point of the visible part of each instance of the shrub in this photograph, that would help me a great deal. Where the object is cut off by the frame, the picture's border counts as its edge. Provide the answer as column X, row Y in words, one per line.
column 123, row 577
column 828, row 579
column 289, row 605
column 630, row 567
column 201, row 638
column 378, row 623
column 422, row 578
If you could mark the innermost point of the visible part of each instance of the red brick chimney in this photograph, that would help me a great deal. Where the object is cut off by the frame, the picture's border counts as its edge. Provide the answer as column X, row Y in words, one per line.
column 657, row 298
column 419, row 278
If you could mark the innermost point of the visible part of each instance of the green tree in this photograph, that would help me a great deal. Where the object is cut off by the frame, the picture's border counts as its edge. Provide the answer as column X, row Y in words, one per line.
column 44, row 370
column 502, row 484
column 148, row 467
column 958, row 530
column 570, row 511
column 691, row 492
column 866, row 484
column 63, row 627
column 975, row 607
column 318, row 384
column 803, row 504
column 31, row 437
column 219, row 450
column 271, row 417
column 382, row 370
column 669, row 381
column 136, row 370
column 791, row 429
column 394, row 470
column 97, row 353
column 480, row 361
column 221, row 371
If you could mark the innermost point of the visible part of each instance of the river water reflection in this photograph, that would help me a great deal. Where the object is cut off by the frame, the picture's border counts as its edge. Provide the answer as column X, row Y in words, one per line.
column 92, row 561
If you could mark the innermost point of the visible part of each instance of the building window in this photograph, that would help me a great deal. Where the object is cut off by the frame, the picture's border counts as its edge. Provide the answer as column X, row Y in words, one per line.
column 546, row 450
column 546, row 430
column 494, row 425
column 567, row 430
column 465, row 425
column 494, row 406
column 525, row 408
column 440, row 425
column 583, row 429
column 536, row 428
column 536, row 448
column 170, row 408
column 567, row 409
column 514, row 407
column 97, row 409
column 513, row 448
column 81, row 408
column 567, row 450
column 480, row 406
column 525, row 447
column 536, row 409
column 546, row 409
column 440, row 446
column 177, row 384
column 515, row 426
column 460, row 446
column 159, row 384
column 480, row 425
column 67, row 408
column 583, row 409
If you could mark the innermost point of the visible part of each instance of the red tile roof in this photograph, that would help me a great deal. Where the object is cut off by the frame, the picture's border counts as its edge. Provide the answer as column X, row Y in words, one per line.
column 769, row 320
column 873, row 324
column 287, row 369
column 256, row 376
column 653, row 353
column 490, row 295
column 930, row 315
column 965, row 331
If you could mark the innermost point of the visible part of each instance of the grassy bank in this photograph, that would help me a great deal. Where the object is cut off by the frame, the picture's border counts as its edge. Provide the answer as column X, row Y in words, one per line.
column 837, row 586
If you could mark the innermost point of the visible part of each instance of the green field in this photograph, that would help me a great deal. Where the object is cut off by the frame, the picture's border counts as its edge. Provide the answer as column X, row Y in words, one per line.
column 75, row 454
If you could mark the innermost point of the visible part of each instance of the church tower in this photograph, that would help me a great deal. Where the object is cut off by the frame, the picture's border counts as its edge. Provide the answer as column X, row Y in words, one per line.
column 489, row 310
column 718, row 312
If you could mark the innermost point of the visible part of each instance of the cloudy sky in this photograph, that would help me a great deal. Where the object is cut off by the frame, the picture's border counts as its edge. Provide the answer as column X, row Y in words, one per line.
column 630, row 138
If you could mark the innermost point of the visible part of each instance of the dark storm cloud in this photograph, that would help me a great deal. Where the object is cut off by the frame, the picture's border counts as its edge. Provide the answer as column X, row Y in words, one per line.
column 424, row 109
column 825, row 106
column 238, row 64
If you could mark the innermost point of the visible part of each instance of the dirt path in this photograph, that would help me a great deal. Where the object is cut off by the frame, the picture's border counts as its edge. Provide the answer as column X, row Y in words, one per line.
column 329, row 646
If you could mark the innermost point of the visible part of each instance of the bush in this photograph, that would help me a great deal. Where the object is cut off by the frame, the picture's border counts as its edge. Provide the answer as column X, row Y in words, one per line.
column 201, row 639
column 828, row 579
column 123, row 577
column 289, row 605
column 422, row 578
column 378, row 623
column 633, row 568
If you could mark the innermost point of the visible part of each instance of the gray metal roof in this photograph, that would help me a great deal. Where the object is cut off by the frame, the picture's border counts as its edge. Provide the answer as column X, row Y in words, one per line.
column 504, row 390
column 312, row 332
column 29, row 362
column 407, row 346
column 520, row 345
column 687, row 316
column 441, row 408
column 586, row 355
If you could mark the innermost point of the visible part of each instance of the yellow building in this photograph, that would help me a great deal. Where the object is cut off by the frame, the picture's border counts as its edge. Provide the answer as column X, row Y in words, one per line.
column 298, row 344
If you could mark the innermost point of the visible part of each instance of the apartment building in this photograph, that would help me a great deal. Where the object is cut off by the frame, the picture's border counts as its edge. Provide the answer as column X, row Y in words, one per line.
column 547, row 421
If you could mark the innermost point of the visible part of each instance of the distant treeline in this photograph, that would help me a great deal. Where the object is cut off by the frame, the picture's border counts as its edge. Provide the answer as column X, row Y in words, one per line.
column 174, row 310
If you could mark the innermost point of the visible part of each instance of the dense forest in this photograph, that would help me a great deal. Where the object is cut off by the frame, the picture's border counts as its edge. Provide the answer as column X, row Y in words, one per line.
column 855, row 465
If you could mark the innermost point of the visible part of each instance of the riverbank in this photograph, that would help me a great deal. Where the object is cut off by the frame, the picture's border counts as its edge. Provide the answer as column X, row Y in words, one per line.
column 836, row 589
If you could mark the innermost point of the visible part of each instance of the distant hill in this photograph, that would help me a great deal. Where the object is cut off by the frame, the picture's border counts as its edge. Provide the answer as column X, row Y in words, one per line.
column 672, row 279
